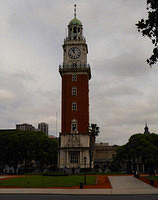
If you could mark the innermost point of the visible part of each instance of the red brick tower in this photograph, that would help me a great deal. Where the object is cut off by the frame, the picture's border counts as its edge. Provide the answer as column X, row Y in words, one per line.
column 75, row 74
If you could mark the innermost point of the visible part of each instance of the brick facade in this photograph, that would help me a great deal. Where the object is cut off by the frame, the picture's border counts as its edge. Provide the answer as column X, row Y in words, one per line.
column 82, row 100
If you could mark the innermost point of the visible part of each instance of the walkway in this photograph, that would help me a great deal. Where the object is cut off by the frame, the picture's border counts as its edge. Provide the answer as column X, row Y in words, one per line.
column 130, row 185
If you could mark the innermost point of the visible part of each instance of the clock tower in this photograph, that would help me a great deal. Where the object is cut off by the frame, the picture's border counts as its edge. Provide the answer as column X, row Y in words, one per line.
column 74, row 140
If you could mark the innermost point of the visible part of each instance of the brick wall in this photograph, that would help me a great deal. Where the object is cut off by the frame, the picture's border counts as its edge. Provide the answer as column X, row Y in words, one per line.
column 82, row 100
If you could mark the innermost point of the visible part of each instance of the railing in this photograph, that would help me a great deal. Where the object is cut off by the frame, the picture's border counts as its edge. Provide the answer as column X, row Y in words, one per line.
column 77, row 68
column 87, row 66
column 71, row 39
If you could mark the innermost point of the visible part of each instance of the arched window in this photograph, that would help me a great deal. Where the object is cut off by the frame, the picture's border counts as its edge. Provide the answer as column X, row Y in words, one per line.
column 75, row 30
column 74, row 125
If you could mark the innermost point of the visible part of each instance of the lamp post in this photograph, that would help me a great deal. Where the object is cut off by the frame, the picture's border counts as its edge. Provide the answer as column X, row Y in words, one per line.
column 85, row 160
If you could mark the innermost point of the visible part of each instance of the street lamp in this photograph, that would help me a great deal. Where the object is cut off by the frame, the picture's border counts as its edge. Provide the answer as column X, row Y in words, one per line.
column 85, row 160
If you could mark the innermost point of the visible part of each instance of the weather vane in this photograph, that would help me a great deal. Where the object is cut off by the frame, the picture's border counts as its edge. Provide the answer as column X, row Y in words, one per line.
column 146, row 123
column 75, row 10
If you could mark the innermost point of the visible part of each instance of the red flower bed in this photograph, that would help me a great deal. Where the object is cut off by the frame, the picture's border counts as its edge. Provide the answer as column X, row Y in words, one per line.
column 102, row 182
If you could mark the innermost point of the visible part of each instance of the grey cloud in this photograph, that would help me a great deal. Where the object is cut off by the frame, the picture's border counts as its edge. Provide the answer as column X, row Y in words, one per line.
column 123, row 89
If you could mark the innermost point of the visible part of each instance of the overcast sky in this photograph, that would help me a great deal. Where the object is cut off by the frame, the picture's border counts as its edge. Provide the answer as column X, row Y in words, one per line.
column 123, row 89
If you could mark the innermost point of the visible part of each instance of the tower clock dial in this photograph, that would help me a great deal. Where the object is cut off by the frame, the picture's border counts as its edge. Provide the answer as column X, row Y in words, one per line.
column 74, row 52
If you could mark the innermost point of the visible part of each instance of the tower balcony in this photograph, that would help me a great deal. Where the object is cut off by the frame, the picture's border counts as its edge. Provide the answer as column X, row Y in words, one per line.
column 72, row 69
column 78, row 39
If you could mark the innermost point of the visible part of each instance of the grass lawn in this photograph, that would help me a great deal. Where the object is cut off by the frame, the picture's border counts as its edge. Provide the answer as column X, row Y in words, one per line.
column 47, row 181
column 155, row 178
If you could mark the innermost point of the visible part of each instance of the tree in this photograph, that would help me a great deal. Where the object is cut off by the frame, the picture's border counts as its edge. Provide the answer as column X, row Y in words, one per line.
column 23, row 147
column 14, row 154
column 46, row 152
column 149, row 27
column 93, row 132
column 140, row 153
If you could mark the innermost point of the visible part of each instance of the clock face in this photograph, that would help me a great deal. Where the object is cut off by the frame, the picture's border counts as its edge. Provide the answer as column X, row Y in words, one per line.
column 74, row 53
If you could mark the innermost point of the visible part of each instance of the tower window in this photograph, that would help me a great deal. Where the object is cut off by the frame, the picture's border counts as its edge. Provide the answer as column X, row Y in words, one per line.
column 75, row 30
column 74, row 125
column 74, row 106
column 74, row 156
column 78, row 29
column 74, row 77
column 74, row 91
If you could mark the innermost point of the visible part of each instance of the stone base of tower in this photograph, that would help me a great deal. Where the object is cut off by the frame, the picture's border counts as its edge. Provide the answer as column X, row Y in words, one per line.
column 74, row 158
column 74, row 151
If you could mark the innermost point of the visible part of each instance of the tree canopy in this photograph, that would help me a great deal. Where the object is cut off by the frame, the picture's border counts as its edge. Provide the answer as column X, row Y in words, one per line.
column 149, row 27
column 22, row 147
column 140, row 153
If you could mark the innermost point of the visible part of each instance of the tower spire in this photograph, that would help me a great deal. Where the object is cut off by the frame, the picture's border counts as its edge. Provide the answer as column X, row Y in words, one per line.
column 75, row 10
column 146, row 129
column 146, row 124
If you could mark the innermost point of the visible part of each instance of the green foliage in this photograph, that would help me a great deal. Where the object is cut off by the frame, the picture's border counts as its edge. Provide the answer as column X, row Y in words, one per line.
column 154, row 178
column 114, row 166
column 57, row 173
column 47, row 181
column 21, row 147
column 142, row 149
column 149, row 27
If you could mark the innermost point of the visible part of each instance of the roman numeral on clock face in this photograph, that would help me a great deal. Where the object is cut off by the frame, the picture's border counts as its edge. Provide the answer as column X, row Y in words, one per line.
column 74, row 52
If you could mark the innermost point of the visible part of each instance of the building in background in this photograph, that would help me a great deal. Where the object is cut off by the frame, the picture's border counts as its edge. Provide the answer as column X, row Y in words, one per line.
column 25, row 127
column 43, row 127
column 104, row 154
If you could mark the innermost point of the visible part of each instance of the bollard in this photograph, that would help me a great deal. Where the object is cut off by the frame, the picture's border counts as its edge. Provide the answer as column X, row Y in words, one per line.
column 81, row 185
column 152, row 182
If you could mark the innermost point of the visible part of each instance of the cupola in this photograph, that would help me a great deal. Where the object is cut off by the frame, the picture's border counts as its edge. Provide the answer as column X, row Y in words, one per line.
column 75, row 28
